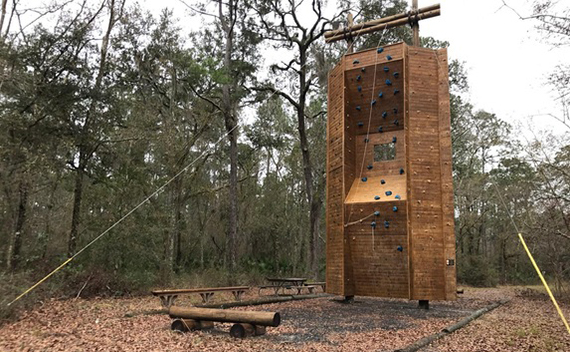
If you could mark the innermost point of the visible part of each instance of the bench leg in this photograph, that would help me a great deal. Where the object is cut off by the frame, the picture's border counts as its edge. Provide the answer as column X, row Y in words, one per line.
column 311, row 290
column 276, row 289
column 168, row 300
column 206, row 296
column 238, row 294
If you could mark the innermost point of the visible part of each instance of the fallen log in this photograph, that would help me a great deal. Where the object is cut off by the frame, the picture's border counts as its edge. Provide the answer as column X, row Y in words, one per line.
column 185, row 325
column 229, row 316
column 241, row 330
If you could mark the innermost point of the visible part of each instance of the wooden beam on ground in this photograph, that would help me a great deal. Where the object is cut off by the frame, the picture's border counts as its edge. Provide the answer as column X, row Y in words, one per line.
column 241, row 330
column 223, row 315
column 185, row 325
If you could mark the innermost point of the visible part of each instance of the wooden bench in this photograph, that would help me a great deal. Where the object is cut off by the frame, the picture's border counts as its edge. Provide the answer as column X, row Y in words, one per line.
column 322, row 284
column 309, row 288
column 168, row 297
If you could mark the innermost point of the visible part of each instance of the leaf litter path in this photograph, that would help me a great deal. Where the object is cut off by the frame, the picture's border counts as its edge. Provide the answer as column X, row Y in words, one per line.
column 312, row 325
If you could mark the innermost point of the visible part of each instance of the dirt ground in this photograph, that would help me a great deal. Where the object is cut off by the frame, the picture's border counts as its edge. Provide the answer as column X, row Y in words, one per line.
column 528, row 322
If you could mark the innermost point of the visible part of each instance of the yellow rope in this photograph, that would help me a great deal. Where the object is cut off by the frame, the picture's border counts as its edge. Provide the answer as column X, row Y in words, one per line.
column 544, row 283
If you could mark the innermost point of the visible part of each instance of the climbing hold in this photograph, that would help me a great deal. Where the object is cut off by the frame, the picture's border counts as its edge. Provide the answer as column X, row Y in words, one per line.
column 396, row 122
column 363, row 69
column 380, row 129
column 376, row 198
column 380, row 50
column 396, row 74
column 366, row 140
column 355, row 62
column 360, row 123
column 384, row 114
column 373, row 224
column 359, row 88
column 386, row 223
column 358, row 107
column 364, row 179
column 358, row 77
column 401, row 171
column 380, row 95
column 388, row 193
column 397, row 196
column 386, row 69
column 388, row 82
column 395, row 110
column 394, row 208
column 400, row 248
column 388, row 57
column 373, row 102
column 382, row 181
column 369, row 167
column 377, row 213
column 394, row 139
column 396, row 91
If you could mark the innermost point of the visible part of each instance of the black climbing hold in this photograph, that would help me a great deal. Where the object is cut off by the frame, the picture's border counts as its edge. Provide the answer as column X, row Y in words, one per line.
column 384, row 114
column 359, row 88
column 401, row 171
column 366, row 140
column 369, row 167
column 360, row 123
column 355, row 62
column 376, row 197
column 386, row 224
column 396, row 91
column 388, row 57
column 388, row 82
column 358, row 77
column 380, row 129
column 358, row 107
column 396, row 122
column 398, row 196
column 373, row 224
column 394, row 139
column 363, row 69
column 388, row 193
column 382, row 181
column 386, row 69
column 394, row 208
column 396, row 74
column 400, row 248
column 373, row 102
column 364, row 179
column 377, row 213
column 380, row 50
column 395, row 110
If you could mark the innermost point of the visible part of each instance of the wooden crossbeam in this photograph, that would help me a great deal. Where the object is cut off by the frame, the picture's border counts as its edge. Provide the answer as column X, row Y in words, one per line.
column 411, row 17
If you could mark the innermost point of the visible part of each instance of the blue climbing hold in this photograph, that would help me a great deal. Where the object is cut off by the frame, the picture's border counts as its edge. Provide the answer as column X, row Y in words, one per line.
column 386, row 223
column 373, row 224
column 396, row 91
column 388, row 193
column 398, row 196
column 400, row 248
column 380, row 50
column 384, row 114
column 358, row 78
column 376, row 198
column 360, row 123
column 373, row 102
column 359, row 88
column 388, row 57
column 388, row 82
column 355, row 62
column 396, row 74
column 382, row 181
column 380, row 129
column 364, row 179
column 401, row 171
column 396, row 122
column 386, row 69
column 394, row 208
column 377, row 213
column 395, row 110
column 369, row 167
column 394, row 139
column 380, row 95
column 358, row 107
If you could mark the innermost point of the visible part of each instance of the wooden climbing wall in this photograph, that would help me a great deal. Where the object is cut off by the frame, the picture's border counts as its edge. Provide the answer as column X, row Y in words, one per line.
column 389, row 188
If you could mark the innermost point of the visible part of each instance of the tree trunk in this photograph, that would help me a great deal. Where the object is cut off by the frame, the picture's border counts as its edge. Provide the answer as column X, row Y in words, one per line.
column 77, row 198
column 15, row 248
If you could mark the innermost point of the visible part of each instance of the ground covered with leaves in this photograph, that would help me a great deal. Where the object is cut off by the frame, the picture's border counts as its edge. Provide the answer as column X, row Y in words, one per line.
column 527, row 323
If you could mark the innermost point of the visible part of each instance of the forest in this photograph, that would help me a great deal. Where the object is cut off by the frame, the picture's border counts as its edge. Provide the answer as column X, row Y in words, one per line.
column 211, row 154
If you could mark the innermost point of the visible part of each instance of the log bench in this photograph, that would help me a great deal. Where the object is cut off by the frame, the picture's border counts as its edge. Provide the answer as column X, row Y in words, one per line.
column 168, row 297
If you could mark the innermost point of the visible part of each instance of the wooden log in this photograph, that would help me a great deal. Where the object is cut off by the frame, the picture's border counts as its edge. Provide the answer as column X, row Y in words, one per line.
column 241, row 330
column 351, row 29
column 230, row 316
column 185, row 325
column 387, row 25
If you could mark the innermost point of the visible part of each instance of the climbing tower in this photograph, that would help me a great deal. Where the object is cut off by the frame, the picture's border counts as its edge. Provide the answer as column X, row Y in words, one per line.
column 390, row 230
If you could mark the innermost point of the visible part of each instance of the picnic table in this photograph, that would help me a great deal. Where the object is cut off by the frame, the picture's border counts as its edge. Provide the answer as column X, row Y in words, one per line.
column 282, row 283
